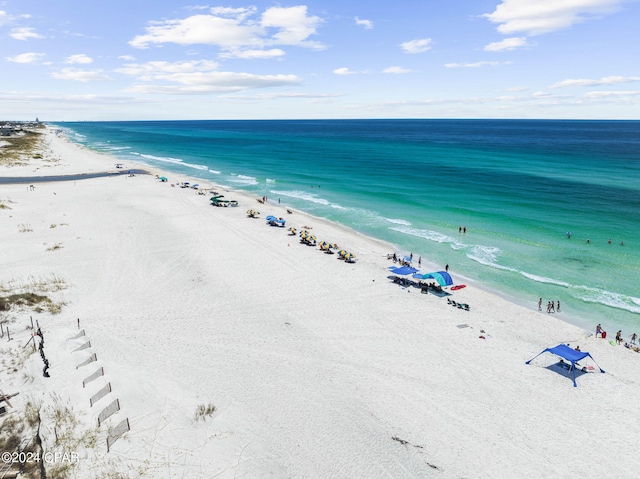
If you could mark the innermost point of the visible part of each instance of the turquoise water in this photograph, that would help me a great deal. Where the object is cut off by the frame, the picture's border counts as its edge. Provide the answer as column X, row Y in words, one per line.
column 517, row 185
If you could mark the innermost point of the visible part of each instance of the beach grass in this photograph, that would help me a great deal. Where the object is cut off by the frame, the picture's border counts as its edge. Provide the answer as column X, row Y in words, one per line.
column 203, row 412
column 18, row 149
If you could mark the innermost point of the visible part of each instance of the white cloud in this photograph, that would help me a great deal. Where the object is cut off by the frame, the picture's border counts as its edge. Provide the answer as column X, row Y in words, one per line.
column 544, row 16
column 159, row 69
column 275, row 96
column 24, row 33
column 79, row 58
column 293, row 24
column 80, row 75
column 615, row 95
column 4, row 18
column 611, row 80
column 344, row 71
column 253, row 54
column 26, row 58
column 198, row 77
column 127, row 58
column 367, row 24
column 237, row 29
column 215, row 82
column 396, row 70
column 475, row 65
column 506, row 44
column 416, row 46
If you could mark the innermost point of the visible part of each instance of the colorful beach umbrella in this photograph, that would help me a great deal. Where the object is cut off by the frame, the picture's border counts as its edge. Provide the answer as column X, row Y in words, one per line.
column 349, row 257
column 342, row 253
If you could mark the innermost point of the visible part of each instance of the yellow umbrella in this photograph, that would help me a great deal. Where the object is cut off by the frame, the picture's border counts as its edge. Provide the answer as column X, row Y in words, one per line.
column 342, row 253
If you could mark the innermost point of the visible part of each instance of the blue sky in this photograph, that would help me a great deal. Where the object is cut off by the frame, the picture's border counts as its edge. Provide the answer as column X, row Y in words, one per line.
column 161, row 59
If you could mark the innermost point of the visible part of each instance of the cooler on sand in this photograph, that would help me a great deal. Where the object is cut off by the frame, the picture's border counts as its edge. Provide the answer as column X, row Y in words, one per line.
column 604, row 334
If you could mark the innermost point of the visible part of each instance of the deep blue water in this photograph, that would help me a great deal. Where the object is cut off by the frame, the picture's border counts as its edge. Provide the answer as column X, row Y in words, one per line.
column 517, row 185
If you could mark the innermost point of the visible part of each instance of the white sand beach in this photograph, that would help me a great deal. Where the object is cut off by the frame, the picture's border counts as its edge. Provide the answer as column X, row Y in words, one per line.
column 316, row 368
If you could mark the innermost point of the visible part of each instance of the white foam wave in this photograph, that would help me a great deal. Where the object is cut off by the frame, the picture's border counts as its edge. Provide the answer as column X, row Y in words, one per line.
column 542, row 279
column 426, row 234
column 243, row 180
column 609, row 298
column 175, row 161
column 302, row 195
column 117, row 148
column 215, row 172
column 269, row 180
column 487, row 256
column 398, row 222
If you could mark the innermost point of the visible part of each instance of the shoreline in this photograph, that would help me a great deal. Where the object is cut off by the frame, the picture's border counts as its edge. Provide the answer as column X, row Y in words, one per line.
column 522, row 288
column 316, row 368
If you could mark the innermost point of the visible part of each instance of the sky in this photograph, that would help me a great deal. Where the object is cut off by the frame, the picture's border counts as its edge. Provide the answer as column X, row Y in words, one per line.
column 90, row 60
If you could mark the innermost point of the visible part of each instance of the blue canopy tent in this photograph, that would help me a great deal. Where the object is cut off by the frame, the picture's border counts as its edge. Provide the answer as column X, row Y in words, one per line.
column 442, row 277
column 403, row 270
column 571, row 355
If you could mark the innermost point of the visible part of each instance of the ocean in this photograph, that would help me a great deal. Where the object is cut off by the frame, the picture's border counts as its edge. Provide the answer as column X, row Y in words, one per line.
column 517, row 186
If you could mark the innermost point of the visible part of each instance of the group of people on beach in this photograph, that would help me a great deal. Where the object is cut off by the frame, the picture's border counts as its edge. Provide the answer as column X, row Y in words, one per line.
column 632, row 344
column 552, row 307
column 406, row 261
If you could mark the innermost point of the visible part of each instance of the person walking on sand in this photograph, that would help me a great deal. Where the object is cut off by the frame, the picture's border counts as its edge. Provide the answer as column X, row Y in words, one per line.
column 599, row 330
column 552, row 308
column 446, row 268
column 634, row 336
column 558, row 306
column 540, row 304
column 420, row 261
